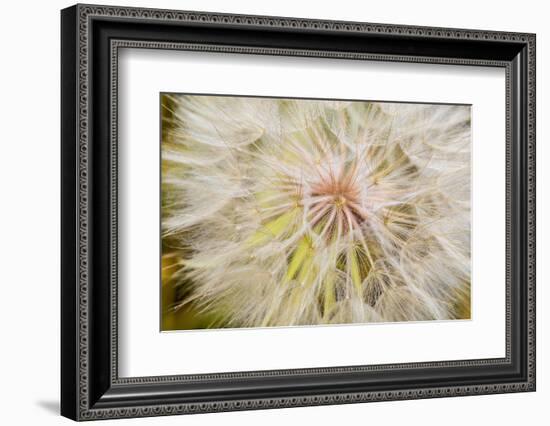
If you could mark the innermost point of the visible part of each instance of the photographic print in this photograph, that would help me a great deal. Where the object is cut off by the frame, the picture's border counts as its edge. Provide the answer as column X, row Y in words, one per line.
column 341, row 184
column 301, row 212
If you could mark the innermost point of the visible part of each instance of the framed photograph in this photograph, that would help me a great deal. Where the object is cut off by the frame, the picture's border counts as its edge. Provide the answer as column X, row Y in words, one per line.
column 263, row 212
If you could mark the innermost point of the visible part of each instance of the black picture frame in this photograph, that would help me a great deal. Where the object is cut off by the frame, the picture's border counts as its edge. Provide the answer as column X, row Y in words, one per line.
column 90, row 38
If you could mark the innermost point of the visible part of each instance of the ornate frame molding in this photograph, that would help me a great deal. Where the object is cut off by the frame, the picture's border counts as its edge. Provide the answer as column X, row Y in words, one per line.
column 78, row 24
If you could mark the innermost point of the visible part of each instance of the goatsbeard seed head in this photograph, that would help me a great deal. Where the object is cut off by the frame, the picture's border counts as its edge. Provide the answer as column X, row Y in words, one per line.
column 291, row 212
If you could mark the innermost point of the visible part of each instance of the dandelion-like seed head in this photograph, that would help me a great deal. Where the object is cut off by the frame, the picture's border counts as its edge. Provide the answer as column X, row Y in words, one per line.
column 293, row 212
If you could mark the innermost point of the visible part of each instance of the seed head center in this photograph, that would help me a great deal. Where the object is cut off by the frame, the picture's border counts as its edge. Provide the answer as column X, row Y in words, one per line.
column 340, row 200
column 336, row 203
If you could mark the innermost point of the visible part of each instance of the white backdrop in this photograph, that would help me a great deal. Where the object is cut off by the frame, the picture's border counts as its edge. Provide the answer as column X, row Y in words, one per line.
column 143, row 74
column 29, row 229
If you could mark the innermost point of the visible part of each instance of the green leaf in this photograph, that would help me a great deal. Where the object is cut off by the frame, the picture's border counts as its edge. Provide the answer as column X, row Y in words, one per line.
column 273, row 229
column 297, row 259
column 355, row 271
